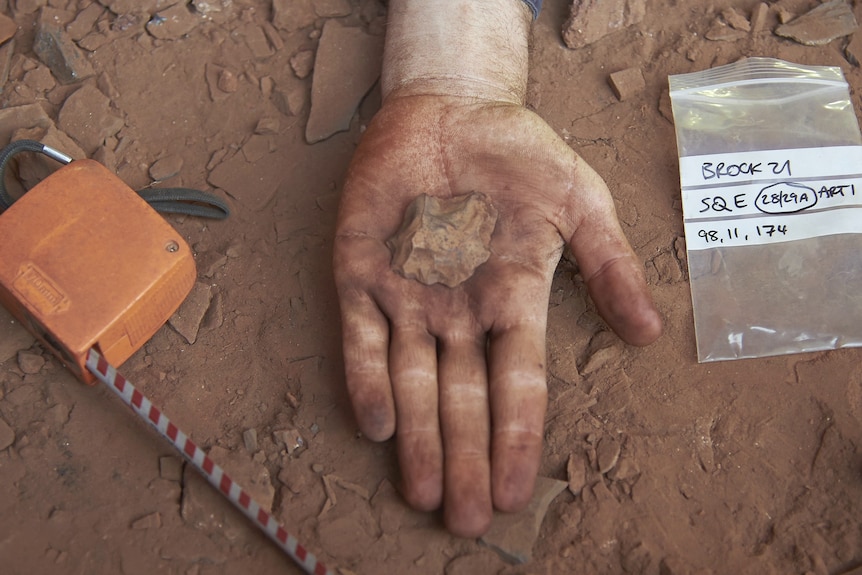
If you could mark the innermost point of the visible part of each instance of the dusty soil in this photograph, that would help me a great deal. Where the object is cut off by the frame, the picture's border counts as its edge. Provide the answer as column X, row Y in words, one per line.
column 745, row 467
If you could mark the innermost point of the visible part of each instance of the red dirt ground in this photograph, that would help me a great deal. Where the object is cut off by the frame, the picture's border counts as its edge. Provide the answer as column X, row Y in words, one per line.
column 743, row 467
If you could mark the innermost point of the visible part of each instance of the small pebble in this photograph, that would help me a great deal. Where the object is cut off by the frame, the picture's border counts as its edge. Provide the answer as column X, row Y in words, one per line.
column 166, row 168
column 249, row 438
column 30, row 362
column 627, row 83
column 607, row 453
column 227, row 82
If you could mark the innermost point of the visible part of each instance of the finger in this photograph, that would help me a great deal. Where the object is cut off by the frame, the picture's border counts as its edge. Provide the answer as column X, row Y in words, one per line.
column 366, row 340
column 413, row 369
column 519, row 397
column 614, row 275
column 465, row 425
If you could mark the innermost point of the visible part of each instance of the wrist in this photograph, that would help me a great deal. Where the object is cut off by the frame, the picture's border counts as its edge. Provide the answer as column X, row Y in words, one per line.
column 464, row 48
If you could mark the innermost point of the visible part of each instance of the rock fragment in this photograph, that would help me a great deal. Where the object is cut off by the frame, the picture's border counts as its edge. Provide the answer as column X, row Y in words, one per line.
column 84, row 21
column 512, row 535
column 187, row 319
column 249, row 439
column 166, row 168
column 173, row 22
column 227, row 82
column 736, row 20
column 443, row 240
column 721, row 32
column 290, row 101
column 332, row 8
column 7, row 50
column 627, row 83
column 151, row 521
column 30, row 362
column 39, row 79
column 56, row 50
column 592, row 20
column 291, row 15
column 86, row 116
column 576, row 472
column 599, row 358
column 821, row 25
column 758, row 18
column 607, row 453
column 8, row 27
column 7, row 435
column 257, row 41
column 215, row 77
column 785, row 15
column 267, row 127
column 302, row 63
column 347, row 65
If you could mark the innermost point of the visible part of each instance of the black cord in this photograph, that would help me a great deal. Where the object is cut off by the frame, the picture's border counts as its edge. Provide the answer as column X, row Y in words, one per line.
column 11, row 151
column 186, row 201
column 183, row 201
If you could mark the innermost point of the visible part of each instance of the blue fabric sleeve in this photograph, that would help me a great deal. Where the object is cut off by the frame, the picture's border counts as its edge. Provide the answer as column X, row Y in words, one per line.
column 535, row 6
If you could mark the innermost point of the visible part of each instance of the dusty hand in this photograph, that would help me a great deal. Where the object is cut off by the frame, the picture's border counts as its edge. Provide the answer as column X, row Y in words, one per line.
column 458, row 374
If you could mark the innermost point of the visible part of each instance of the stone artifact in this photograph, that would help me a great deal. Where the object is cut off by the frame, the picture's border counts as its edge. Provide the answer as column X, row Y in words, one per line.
column 443, row 240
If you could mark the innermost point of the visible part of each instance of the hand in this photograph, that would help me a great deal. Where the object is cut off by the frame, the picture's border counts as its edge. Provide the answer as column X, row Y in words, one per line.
column 458, row 374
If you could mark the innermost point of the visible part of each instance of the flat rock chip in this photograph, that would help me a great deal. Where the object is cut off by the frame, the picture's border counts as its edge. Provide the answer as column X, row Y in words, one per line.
column 576, row 472
column 512, row 535
column 7, row 435
column 291, row 15
column 302, row 63
column 736, row 20
column 346, row 67
column 821, row 25
column 86, row 116
column 84, row 21
column 758, row 17
column 7, row 28
column 187, row 319
column 173, row 22
column 165, row 168
column 57, row 51
column 332, row 8
column 627, row 83
column 607, row 453
column 443, row 240
column 592, row 20
column 30, row 362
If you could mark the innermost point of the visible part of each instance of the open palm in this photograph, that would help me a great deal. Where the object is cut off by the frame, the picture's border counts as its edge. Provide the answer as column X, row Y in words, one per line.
column 458, row 374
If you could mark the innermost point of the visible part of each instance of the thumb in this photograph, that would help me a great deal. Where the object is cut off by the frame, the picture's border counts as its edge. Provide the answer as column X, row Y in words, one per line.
column 613, row 273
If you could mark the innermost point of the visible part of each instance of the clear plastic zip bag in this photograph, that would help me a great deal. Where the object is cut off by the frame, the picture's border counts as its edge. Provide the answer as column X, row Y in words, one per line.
column 771, row 177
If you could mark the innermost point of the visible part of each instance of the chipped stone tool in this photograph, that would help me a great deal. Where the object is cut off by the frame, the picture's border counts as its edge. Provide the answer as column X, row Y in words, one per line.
column 443, row 240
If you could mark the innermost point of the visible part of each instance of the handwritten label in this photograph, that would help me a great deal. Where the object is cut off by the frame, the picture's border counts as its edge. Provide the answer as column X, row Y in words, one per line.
column 762, row 197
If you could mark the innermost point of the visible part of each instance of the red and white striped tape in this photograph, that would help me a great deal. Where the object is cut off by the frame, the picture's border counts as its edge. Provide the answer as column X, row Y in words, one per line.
column 108, row 375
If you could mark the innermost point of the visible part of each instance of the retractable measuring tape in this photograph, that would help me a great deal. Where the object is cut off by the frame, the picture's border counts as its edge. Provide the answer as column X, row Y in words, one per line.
column 93, row 271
